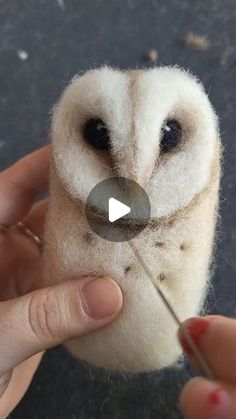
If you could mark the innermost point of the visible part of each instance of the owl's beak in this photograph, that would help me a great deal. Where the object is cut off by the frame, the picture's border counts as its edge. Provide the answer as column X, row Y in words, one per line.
column 136, row 166
column 143, row 174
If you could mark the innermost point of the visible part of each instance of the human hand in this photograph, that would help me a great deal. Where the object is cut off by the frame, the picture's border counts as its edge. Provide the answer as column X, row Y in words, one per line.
column 201, row 398
column 32, row 318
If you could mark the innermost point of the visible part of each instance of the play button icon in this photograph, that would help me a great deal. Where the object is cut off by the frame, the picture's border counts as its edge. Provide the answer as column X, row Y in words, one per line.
column 118, row 209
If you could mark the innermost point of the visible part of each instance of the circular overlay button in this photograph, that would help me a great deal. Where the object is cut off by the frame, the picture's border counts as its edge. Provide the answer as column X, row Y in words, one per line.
column 118, row 209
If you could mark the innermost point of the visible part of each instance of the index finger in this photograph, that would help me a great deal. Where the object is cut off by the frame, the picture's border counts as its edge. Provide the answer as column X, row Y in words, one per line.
column 21, row 183
column 216, row 338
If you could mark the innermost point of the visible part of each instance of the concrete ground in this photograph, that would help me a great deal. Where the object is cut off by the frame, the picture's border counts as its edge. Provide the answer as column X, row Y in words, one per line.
column 42, row 45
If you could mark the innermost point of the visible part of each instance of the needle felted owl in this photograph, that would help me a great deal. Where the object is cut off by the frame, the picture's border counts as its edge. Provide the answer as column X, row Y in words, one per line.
column 158, row 128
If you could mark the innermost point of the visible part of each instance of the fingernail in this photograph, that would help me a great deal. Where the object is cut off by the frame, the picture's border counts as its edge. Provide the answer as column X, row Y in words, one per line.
column 218, row 402
column 196, row 327
column 101, row 298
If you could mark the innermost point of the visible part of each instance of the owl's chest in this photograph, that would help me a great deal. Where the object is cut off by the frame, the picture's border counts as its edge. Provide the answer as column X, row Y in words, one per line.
column 175, row 251
column 84, row 252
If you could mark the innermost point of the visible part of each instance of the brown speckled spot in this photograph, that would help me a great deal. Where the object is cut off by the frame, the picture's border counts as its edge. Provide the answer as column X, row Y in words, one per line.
column 183, row 246
column 162, row 277
column 127, row 269
column 159, row 244
column 89, row 237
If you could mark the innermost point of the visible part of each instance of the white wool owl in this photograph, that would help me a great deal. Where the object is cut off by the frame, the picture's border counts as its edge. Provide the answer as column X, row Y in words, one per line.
column 157, row 128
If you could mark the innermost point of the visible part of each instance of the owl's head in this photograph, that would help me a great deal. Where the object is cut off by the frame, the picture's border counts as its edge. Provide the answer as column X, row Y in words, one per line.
column 156, row 127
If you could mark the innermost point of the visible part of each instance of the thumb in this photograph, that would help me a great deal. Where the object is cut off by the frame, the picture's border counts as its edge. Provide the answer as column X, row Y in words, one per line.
column 49, row 316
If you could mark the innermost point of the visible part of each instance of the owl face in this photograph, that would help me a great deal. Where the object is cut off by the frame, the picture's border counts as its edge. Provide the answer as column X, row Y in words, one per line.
column 155, row 127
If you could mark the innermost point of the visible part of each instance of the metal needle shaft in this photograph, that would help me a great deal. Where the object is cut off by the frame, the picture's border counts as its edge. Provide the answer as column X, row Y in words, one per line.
column 206, row 369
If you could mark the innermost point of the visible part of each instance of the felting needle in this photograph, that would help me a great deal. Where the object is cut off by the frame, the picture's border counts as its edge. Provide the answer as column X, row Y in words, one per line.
column 206, row 369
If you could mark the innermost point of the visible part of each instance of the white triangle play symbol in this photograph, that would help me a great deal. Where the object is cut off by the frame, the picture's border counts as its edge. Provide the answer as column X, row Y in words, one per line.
column 116, row 209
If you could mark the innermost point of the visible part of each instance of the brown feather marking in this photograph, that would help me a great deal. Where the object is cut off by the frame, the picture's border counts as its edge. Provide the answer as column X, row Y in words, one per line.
column 159, row 244
column 127, row 269
column 89, row 237
column 162, row 277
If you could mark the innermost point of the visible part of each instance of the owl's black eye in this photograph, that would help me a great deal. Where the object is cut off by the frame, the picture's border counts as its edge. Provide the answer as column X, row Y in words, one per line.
column 96, row 134
column 171, row 135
